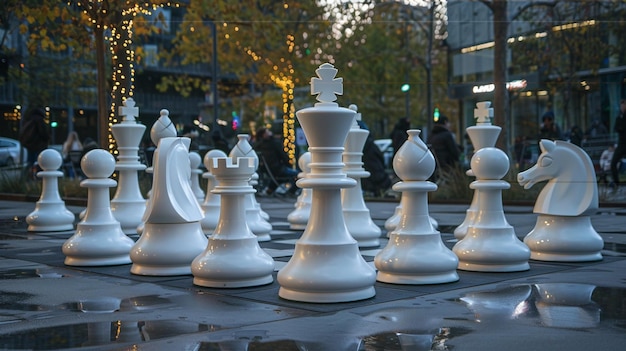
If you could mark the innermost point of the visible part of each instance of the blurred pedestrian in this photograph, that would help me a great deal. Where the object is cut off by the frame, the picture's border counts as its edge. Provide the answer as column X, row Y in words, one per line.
column 620, row 150
column 71, row 151
column 444, row 146
column 605, row 163
column 34, row 137
column 549, row 129
column 399, row 133
column 275, row 160
column 379, row 180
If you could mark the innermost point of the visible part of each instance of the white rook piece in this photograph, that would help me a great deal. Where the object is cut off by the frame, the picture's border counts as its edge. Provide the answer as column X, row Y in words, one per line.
column 50, row 213
column 128, row 205
column 99, row 239
column 563, row 231
column 326, row 265
column 355, row 212
column 415, row 253
column 172, row 235
column 490, row 244
column 233, row 257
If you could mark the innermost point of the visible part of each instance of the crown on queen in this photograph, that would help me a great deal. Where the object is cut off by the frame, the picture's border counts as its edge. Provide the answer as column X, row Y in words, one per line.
column 327, row 87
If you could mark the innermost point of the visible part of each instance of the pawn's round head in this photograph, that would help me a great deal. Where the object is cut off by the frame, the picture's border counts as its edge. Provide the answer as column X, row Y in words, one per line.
column 215, row 153
column 50, row 160
column 98, row 163
column 194, row 160
column 490, row 163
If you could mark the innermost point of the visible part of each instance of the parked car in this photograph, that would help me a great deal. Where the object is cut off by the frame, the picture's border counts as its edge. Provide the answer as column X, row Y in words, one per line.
column 10, row 152
column 384, row 145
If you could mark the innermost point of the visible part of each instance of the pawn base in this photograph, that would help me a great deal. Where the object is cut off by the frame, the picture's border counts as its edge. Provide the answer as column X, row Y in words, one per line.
column 326, row 297
column 96, row 262
column 211, row 283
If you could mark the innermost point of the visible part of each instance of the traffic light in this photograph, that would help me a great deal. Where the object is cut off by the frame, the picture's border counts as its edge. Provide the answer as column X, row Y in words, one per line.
column 235, row 120
column 405, row 87
column 54, row 124
column 436, row 114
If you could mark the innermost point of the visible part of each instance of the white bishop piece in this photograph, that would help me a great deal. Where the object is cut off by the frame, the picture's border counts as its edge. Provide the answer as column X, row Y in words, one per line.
column 490, row 244
column 50, row 213
column 233, row 257
column 326, row 265
column 299, row 217
column 256, row 218
column 99, row 239
column 128, row 205
column 172, row 236
column 162, row 128
column 355, row 212
column 415, row 253
column 212, row 203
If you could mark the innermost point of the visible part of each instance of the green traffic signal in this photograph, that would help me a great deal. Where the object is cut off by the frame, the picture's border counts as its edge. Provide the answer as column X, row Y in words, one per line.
column 405, row 87
column 54, row 124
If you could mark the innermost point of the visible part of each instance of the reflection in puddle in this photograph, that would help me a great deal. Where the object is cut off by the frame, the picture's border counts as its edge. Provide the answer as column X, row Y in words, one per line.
column 557, row 305
column 99, row 333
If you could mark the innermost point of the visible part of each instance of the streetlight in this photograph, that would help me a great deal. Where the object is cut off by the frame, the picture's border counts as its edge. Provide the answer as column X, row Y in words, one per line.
column 405, row 89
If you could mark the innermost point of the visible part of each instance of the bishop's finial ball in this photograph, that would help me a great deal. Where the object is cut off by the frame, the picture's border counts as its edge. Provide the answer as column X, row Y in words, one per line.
column 490, row 163
column 98, row 163
column 50, row 160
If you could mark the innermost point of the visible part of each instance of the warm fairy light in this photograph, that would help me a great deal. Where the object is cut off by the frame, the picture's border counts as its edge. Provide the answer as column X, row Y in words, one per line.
column 96, row 13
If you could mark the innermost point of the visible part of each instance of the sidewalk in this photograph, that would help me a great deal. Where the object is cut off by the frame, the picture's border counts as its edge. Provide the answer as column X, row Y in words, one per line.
column 553, row 306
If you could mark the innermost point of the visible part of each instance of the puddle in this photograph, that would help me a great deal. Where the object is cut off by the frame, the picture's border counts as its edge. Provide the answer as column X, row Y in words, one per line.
column 555, row 305
column 615, row 247
column 23, row 273
column 99, row 333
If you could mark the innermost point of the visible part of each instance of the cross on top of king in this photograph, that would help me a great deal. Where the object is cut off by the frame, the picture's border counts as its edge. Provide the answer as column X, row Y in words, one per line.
column 129, row 111
column 327, row 87
column 483, row 113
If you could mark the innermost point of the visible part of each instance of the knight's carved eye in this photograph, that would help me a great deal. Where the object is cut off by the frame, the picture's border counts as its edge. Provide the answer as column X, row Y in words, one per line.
column 545, row 162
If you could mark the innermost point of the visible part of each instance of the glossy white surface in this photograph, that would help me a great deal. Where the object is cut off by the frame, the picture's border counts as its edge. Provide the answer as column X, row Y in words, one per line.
column 50, row 214
column 99, row 239
column 415, row 253
column 233, row 257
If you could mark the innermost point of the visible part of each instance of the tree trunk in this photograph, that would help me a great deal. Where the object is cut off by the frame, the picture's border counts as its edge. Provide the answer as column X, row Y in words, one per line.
column 500, row 99
column 102, row 115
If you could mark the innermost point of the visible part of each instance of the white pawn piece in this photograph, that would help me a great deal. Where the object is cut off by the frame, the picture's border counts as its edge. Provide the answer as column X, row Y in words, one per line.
column 326, row 265
column 254, row 217
column 299, row 217
column 212, row 203
column 99, row 239
column 490, row 244
column 172, row 236
column 194, row 161
column 355, row 212
column 563, row 231
column 128, row 204
column 233, row 257
column 415, row 253
column 162, row 128
column 50, row 214
column 483, row 134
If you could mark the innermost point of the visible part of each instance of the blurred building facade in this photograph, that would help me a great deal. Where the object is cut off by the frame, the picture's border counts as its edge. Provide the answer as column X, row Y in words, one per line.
column 594, row 91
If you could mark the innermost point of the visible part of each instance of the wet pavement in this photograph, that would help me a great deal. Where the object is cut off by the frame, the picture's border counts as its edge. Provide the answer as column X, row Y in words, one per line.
column 46, row 305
